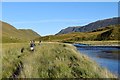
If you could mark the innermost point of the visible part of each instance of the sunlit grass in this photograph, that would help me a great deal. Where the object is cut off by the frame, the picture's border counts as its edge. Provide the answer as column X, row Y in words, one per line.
column 109, row 43
column 50, row 60
column 0, row 60
column 101, row 34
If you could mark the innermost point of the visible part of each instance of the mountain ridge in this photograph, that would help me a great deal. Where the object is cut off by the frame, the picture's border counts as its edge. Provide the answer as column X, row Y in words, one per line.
column 101, row 34
column 91, row 26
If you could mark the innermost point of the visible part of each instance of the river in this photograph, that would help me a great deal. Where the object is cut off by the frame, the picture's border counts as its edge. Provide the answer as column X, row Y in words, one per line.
column 105, row 56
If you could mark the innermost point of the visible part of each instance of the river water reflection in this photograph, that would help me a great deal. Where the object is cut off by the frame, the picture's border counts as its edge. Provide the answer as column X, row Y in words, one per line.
column 105, row 56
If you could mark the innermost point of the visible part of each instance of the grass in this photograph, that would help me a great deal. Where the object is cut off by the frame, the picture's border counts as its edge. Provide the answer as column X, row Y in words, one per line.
column 0, row 60
column 12, row 35
column 106, row 43
column 101, row 34
column 50, row 60
column 10, row 52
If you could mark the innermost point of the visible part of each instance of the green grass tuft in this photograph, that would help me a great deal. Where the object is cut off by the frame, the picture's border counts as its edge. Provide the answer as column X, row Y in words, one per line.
column 50, row 60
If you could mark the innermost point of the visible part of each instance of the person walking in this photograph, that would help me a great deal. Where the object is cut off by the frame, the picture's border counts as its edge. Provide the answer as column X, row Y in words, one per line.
column 32, row 45
column 39, row 42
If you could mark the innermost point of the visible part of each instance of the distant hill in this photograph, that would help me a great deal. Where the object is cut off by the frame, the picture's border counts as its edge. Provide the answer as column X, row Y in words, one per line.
column 106, row 33
column 11, row 34
column 91, row 26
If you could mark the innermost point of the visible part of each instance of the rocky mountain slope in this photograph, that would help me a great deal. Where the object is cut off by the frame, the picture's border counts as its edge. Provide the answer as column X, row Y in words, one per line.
column 106, row 33
column 92, row 26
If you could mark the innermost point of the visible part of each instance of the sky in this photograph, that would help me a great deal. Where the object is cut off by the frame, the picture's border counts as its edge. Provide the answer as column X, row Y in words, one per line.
column 60, row 0
column 48, row 18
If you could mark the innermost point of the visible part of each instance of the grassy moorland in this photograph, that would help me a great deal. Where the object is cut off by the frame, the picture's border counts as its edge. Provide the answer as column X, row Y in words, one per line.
column 0, row 60
column 101, row 43
column 109, row 34
column 49, row 60
column 12, row 35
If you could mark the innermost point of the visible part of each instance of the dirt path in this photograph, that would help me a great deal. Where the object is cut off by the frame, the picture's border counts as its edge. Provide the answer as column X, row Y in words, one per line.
column 17, row 71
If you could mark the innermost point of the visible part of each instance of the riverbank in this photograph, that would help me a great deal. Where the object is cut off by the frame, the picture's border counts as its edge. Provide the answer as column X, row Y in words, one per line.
column 105, row 56
column 100, row 43
column 49, row 60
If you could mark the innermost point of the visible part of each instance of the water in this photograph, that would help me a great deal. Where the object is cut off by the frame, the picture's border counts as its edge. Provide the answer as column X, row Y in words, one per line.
column 105, row 56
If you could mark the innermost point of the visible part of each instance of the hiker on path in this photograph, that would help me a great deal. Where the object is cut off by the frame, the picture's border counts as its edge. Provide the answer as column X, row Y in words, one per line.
column 39, row 42
column 32, row 45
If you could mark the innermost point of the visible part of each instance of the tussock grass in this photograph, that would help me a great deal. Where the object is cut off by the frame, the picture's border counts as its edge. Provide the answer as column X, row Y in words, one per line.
column 50, row 60
column 0, row 60
column 109, row 43
column 10, row 53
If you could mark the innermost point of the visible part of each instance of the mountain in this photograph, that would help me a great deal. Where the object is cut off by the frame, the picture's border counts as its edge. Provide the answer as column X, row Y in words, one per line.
column 105, row 33
column 11, row 34
column 91, row 26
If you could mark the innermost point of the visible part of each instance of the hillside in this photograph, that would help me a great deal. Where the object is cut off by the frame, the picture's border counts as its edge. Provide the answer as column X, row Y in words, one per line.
column 60, row 60
column 107, row 33
column 11, row 34
column 92, row 26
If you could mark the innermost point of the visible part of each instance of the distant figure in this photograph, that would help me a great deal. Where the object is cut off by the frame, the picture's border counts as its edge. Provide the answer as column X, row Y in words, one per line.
column 22, row 50
column 32, row 45
column 39, row 42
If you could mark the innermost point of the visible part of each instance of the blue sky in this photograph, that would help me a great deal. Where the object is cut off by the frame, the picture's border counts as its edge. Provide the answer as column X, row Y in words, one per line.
column 48, row 18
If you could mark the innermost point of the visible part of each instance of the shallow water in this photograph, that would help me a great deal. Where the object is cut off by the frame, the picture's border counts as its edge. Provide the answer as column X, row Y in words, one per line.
column 105, row 56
